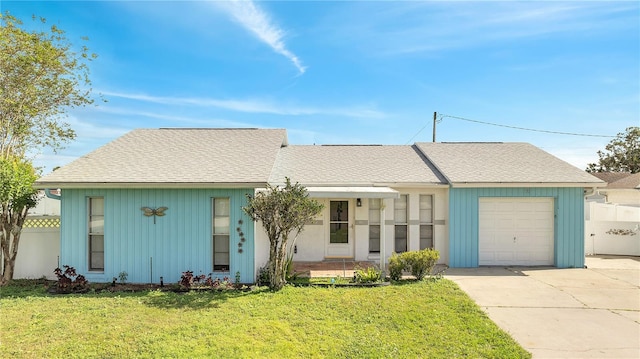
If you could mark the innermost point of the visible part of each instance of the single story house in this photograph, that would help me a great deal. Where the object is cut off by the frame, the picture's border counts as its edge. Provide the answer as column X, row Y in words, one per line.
column 155, row 203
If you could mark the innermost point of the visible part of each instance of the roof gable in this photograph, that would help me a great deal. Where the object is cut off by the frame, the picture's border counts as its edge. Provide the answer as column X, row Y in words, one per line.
column 176, row 156
column 502, row 163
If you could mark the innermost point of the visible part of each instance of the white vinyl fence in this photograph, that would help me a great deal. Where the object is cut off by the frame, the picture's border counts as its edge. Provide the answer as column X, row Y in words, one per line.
column 612, row 229
column 39, row 248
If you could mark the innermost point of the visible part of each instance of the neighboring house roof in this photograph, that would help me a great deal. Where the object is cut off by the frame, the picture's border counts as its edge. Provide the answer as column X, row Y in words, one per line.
column 175, row 157
column 619, row 180
column 354, row 165
column 500, row 163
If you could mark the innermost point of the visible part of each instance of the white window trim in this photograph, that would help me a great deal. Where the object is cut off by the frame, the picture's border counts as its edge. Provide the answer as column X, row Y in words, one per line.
column 433, row 235
column 378, row 223
column 214, row 235
column 405, row 223
column 90, row 234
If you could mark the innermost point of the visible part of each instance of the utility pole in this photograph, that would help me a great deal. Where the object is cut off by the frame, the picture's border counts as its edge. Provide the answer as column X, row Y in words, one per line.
column 434, row 126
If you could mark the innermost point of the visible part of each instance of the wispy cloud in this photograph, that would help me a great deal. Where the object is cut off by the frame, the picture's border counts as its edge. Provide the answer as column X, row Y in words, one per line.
column 253, row 106
column 433, row 27
column 172, row 120
column 258, row 22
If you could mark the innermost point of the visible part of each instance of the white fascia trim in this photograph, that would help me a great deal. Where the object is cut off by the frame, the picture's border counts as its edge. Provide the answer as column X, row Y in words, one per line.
column 524, row 184
column 138, row 185
column 368, row 184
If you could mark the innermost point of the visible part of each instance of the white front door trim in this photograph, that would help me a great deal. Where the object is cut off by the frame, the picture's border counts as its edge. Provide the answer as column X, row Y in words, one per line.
column 340, row 250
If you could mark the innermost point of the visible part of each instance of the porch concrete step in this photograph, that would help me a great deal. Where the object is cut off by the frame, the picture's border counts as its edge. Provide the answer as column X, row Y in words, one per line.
column 330, row 268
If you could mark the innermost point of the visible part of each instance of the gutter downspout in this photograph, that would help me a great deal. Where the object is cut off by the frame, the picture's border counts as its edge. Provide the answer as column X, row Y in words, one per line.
column 592, row 191
column 47, row 192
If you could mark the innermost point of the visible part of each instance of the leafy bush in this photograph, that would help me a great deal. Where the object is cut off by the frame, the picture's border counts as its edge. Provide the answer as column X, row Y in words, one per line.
column 186, row 279
column 123, row 277
column 70, row 281
column 189, row 281
column 368, row 275
column 289, row 271
column 264, row 278
column 421, row 262
column 396, row 266
column 264, row 275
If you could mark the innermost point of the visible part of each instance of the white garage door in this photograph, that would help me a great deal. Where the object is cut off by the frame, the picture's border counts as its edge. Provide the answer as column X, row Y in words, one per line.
column 516, row 231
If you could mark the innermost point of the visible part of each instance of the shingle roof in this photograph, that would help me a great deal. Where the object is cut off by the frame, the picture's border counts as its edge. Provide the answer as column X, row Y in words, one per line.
column 357, row 165
column 502, row 163
column 176, row 156
column 223, row 157
column 620, row 180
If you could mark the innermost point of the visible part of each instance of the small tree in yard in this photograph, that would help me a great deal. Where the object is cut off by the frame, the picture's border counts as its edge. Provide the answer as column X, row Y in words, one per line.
column 17, row 196
column 283, row 211
column 41, row 76
column 622, row 154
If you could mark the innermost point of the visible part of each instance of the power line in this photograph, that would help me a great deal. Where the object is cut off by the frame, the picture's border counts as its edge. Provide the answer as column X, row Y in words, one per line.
column 422, row 129
column 417, row 133
column 522, row 128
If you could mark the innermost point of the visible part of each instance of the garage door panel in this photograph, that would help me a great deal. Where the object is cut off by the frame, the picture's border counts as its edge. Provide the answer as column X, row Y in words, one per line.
column 506, row 256
column 541, row 206
column 533, row 257
column 498, row 256
column 503, row 238
column 528, row 220
column 486, row 256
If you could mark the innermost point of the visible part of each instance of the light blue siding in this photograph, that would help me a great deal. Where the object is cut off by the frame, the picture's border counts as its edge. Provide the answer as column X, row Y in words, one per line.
column 568, row 223
column 179, row 241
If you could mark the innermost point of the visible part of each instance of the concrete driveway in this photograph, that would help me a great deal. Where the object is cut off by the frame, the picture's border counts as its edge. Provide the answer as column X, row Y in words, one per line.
column 563, row 313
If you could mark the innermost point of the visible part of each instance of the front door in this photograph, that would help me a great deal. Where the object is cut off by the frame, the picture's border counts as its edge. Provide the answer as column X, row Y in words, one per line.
column 340, row 242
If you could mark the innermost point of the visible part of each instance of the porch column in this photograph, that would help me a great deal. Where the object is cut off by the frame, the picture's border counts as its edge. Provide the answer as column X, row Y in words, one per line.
column 382, row 238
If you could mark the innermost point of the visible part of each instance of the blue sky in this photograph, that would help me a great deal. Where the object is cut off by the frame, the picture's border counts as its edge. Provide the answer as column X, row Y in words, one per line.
column 357, row 72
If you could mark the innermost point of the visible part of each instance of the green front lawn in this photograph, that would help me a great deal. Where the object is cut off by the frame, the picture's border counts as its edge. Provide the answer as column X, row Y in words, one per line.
column 431, row 319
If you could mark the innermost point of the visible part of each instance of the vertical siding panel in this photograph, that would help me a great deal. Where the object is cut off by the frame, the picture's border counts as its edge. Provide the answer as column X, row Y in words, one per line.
column 562, row 228
column 454, row 218
column 571, row 229
column 579, row 227
column 472, row 205
column 205, row 229
column 464, row 234
column 465, row 230
column 567, row 225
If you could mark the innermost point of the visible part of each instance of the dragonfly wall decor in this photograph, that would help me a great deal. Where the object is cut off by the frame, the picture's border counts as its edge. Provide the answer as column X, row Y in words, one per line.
column 154, row 212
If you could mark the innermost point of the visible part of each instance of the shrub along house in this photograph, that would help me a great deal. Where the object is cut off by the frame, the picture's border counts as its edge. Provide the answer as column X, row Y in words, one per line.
column 159, row 202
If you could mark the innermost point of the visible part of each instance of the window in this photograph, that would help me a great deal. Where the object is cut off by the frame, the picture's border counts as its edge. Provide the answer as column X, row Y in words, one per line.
column 401, row 221
column 221, row 224
column 426, row 221
column 96, row 233
column 374, row 225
